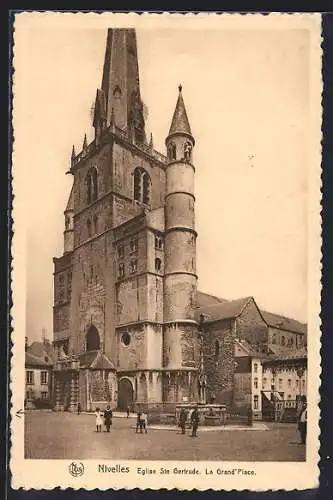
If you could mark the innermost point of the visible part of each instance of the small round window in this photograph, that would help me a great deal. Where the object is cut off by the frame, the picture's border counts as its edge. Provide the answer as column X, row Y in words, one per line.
column 126, row 338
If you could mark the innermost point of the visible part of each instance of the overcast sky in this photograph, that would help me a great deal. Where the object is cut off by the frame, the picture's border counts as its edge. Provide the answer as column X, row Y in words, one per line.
column 246, row 94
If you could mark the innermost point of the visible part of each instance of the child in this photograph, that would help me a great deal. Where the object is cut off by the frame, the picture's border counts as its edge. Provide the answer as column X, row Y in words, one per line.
column 138, row 422
column 99, row 420
column 144, row 419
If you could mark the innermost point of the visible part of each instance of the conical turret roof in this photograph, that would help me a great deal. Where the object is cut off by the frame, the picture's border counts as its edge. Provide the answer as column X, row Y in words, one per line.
column 180, row 123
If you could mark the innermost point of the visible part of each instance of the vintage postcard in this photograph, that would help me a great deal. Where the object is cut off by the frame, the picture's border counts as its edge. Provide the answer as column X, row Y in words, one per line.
column 166, row 251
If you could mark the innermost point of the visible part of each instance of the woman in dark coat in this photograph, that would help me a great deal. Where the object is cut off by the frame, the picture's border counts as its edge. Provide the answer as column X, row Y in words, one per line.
column 108, row 418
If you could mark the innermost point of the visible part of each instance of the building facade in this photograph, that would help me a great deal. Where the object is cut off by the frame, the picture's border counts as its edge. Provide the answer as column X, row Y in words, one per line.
column 38, row 375
column 130, row 326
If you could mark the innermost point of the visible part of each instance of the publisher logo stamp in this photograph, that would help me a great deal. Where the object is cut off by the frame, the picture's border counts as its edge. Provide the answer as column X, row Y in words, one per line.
column 76, row 469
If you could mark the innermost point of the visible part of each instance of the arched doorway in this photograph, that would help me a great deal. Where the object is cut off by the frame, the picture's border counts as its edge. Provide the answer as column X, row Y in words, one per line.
column 125, row 394
column 93, row 342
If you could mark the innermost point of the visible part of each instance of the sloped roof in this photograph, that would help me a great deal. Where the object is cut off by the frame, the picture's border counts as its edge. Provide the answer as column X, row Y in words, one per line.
column 205, row 299
column 102, row 362
column 283, row 323
column 70, row 203
column 180, row 123
column 224, row 310
column 99, row 111
column 31, row 360
column 280, row 352
column 42, row 350
column 97, row 360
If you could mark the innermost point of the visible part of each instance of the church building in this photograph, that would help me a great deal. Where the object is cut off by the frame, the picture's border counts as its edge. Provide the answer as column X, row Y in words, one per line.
column 125, row 289
column 130, row 326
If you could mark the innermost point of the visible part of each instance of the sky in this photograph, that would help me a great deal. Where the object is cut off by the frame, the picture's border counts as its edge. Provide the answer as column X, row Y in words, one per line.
column 247, row 98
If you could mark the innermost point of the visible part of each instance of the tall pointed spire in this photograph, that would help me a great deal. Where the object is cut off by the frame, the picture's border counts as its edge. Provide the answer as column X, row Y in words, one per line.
column 85, row 143
column 180, row 123
column 151, row 142
column 120, row 82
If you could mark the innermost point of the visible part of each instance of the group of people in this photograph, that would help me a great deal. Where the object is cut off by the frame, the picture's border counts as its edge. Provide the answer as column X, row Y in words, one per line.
column 192, row 418
column 141, row 422
column 105, row 416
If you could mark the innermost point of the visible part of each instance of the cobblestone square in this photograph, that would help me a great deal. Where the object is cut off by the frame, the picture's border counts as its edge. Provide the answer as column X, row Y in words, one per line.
column 51, row 435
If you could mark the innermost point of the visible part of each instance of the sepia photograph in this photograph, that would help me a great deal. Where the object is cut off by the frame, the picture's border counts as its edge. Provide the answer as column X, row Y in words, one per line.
column 167, row 174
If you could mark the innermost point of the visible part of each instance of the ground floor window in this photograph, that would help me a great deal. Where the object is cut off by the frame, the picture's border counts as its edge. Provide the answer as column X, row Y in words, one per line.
column 44, row 395
column 256, row 402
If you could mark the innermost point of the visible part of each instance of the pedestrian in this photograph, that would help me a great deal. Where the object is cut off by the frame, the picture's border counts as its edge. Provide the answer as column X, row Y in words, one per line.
column 302, row 422
column 144, row 420
column 78, row 408
column 99, row 421
column 108, row 418
column 195, row 422
column 138, row 422
column 128, row 412
column 182, row 420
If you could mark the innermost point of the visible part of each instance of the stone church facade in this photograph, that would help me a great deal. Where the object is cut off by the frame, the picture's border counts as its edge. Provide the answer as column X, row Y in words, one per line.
column 129, row 325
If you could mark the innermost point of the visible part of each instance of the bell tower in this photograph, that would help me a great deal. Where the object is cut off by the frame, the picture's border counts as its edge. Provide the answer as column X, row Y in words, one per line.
column 118, row 101
column 181, row 344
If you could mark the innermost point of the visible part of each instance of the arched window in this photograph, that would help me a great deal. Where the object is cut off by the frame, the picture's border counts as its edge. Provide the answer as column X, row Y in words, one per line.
column 95, row 224
column 187, row 151
column 158, row 265
column 158, row 242
column 121, row 271
column 172, row 151
column 89, row 228
column 217, row 349
column 142, row 186
column 92, row 188
column 93, row 342
column 283, row 340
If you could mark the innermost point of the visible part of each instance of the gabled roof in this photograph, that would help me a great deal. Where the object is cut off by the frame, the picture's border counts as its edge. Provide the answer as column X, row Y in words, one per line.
column 97, row 360
column 224, row 310
column 283, row 323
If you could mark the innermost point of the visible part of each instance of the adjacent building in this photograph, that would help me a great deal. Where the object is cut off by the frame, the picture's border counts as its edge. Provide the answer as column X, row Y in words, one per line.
column 39, row 361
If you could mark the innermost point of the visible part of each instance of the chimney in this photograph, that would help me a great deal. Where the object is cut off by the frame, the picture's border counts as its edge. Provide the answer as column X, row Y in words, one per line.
column 26, row 343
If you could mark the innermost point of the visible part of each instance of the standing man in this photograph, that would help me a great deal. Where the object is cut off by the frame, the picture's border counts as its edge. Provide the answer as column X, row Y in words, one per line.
column 195, row 421
column 182, row 420
column 78, row 408
column 302, row 422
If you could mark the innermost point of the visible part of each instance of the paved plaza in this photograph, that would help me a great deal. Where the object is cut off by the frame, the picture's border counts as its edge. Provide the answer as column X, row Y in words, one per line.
column 52, row 435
